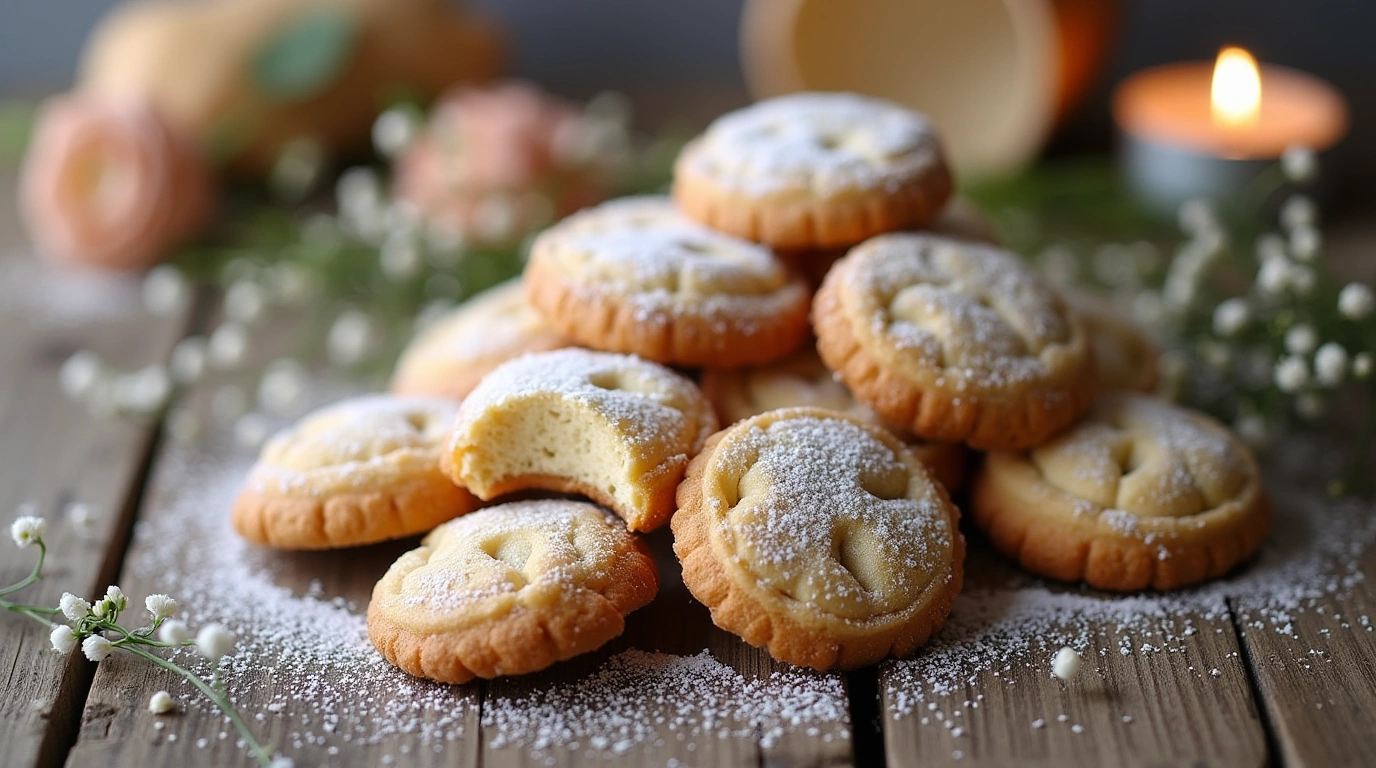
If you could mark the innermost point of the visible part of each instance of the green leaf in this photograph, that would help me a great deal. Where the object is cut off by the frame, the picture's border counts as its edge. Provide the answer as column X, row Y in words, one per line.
column 306, row 54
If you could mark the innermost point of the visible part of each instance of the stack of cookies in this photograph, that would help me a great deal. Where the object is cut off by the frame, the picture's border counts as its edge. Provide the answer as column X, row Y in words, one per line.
column 808, row 288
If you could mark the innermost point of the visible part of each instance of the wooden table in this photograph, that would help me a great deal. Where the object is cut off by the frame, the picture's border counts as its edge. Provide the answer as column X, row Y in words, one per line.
column 1205, row 681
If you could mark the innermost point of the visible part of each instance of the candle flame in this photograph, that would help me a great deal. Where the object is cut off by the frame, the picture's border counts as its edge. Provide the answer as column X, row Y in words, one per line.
column 1236, row 92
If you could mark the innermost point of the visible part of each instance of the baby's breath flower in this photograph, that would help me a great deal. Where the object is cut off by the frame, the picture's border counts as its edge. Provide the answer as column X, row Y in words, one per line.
column 228, row 345
column 27, row 530
column 284, row 383
column 1299, row 163
column 244, row 301
column 1301, row 339
column 1302, row 279
column 1356, row 301
column 350, row 337
column 214, row 641
column 251, row 430
column 1292, row 374
column 174, row 632
column 1231, row 316
column 1305, row 243
column 393, row 131
column 115, row 596
column 1196, row 216
column 63, row 639
column 282, row 762
column 1298, row 211
column 73, row 607
column 161, row 703
column 1330, row 364
column 165, row 290
column 161, row 606
column 186, row 364
column 1362, row 365
column 79, row 373
column 1274, row 277
column 96, row 647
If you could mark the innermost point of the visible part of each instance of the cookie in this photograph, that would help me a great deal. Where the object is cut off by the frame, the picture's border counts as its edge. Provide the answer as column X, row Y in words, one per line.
column 1140, row 494
column 818, row 537
column 1124, row 354
column 635, row 276
column 800, row 380
column 615, row 428
column 814, row 170
column 449, row 358
column 954, row 341
column 510, row 590
column 960, row 219
column 363, row 470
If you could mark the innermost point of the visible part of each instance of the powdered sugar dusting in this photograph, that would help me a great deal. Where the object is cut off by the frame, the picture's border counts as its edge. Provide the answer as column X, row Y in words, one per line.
column 639, row 698
column 823, row 143
column 829, row 516
column 1005, row 621
column 976, row 312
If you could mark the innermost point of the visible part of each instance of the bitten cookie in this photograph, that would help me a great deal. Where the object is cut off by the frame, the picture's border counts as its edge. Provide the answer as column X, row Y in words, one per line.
column 510, row 590
column 814, row 170
column 955, row 341
column 1124, row 354
column 360, row 471
column 818, row 537
column 1139, row 494
column 633, row 275
column 449, row 358
column 800, row 380
column 615, row 428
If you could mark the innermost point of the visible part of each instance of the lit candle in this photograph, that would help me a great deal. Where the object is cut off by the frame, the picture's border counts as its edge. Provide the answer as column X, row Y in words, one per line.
column 1198, row 130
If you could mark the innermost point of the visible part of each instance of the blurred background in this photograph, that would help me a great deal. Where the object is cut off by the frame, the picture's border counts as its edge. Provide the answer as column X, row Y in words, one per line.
column 681, row 60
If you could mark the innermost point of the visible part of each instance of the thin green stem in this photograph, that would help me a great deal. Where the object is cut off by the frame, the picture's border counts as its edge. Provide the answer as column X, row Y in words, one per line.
column 33, row 575
column 221, row 700
column 34, row 612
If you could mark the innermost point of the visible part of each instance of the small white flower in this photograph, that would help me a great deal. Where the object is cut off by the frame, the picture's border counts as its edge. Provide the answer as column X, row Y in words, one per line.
column 283, row 385
column 1299, row 163
column 1292, row 374
column 82, row 516
column 73, row 607
column 115, row 596
column 1066, row 664
column 1305, row 243
column 1298, row 211
column 400, row 257
column 27, row 529
column 63, row 639
column 1363, row 364
column 165, row 290
column 79, row 373
column 161, row 703
column 1196, row 216
column 96, row 648
column 1274, row 277
column 174, row 632
column 144, row 391
column 1231, row 316
column 244, row 301
column 1356, row 301
column 350, row 337
column 1330, row 364
column 228, row 345
column 161, row 606
column 251, row 430
column 282, row 762
column 1301, row 339
column 393, row 131
column 214, row 641
column 186, row 364
column 1310, row 406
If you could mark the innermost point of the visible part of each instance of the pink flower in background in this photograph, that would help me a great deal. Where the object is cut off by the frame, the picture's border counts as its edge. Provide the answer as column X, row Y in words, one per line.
column 107, row 184
column 499, row 160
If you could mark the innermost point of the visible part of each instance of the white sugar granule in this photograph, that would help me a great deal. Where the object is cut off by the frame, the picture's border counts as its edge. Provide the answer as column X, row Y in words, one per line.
column 1312, row 554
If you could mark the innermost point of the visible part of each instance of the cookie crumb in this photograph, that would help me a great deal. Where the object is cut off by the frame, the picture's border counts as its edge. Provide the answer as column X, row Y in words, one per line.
column 161, row 703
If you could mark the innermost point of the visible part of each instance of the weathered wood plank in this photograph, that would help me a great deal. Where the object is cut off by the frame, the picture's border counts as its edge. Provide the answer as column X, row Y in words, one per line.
column 52, row 453
column 1161, row 684
column 1314, row 662
column 678, row 625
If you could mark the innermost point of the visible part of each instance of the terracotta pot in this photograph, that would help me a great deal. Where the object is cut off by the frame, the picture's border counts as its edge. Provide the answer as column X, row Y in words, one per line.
column 995, row 75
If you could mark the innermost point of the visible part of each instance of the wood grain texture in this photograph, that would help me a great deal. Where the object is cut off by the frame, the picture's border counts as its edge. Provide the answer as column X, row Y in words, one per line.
column 993, row 701
column 1315, row 667
column 53, row 453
